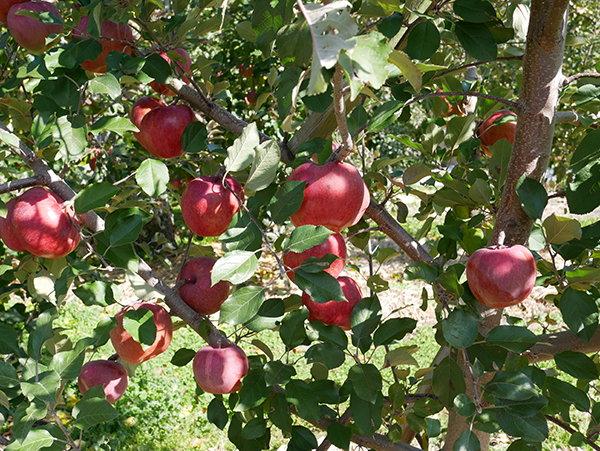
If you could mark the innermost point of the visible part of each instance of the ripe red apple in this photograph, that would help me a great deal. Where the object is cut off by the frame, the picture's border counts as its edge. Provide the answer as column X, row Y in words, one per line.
column 219, row 369
column 333, row 312
column 6, row 230
column 500, row 276
column 334, row 244
column 118, row 35
column 335, row 195
column 177, row 184
column 250, row 98
column 161, row 130
column 246, row 70
column 42, row 225
column 197, row 291
column 130, row 350
column 5, row 6
column 30, row 33
column 489, row 133
column 111, row 374
column 208, row 207
column 187, row 65
column 139, row 110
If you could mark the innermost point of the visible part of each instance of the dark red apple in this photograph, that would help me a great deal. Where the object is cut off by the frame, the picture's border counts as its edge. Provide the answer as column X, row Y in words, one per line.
column 197, row 291
column 334, row 244
column 333, row 312
column 112, row 375
column 177, row 184
column 489, row 132
column 162, row 127
column 187, row 65
column 118, row 39
column 42, row 225
column 140, row 108
column 5, row 6
column 30, row 33
column 132, row 351
column 208, row 207
column 6, row 230
column 250, row 98
column 246, row 70
column 335, row 195
column 219, row 369
column 500, row 276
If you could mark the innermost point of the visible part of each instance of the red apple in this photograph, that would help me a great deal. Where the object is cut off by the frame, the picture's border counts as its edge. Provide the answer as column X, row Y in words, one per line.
column 250, row 98
column 111, row 374
column 219, row 369
column 176, row 184
column 6, row 230
column 489, row 133
column 246, row 70
column 118, row 37
column 197, row 291
column 187, row 65
column 335, row 195
column 42, row 225
column 334, row 244
column 140, row 108
column 130, row 350
column 30, row 33
column 500, row 276
column 162, row 128
column 5, row 6
column 208, row 207
column 333, row 312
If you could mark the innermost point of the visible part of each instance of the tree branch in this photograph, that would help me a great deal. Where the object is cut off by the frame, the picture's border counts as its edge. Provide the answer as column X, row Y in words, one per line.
column 15, row 185
column 571, row 117
column 475, row 64
column 517, row 107
column 570, row 430
column 340, row 116
column 572, row 78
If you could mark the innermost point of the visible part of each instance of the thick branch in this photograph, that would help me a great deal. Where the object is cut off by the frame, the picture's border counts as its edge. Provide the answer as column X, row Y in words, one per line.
column 502, row 100
column 340, row 115
column 15, row 185
column 554, row 343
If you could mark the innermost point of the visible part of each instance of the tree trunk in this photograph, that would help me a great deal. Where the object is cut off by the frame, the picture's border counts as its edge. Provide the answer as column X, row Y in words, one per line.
column 538, row 102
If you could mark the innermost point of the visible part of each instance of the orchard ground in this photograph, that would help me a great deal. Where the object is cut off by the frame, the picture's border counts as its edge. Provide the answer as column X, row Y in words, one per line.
column 161, row 409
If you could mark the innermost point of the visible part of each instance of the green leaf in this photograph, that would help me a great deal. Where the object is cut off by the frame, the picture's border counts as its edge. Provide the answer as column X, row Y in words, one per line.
column 582, row 192
column 476, row 11
column 560, row 230
column 366, row 381
column 157, row 67
column 294, row 43
column 580, row 312
column 292, row 331
column 568, row 393
column 24, row 417
column 43, row 332
column 366, row 415
column 303, row 438
column 287, row 201
column 364, row 319
column 43, row 386
column 116, row 124
column 415, row 173
column 264, row 166
column 464, row 406
column 328, row 354
column 8, row 339
column 304, row 237
column 140, row 324
column 241, row 153
column 194, row 137
column 586, row 94
column 182, row 357
column 152, row 176
column 533, row 197
column 398, row 357
column 93, row 409
column 68, row 363
column 36, row 439
column 460, row 328
column 587, row 152
column 97, row 293
column 393, row 330
column 577, row 364
column 278, row 373
column 480, row 191
column 511, row 385
column 269, row 315
column 421, row 270
column 339, row 435
column 8, row 375
column 411, row 71
column 303, row 397
column 236, row 267
column 123, row 226
column 448, row 381
column 320, row 286
column 105, row 84
column 280, row 414
column 477, row 40
column 384, row 116
column 423, row 41
column 72, row 137
column 467, row 441
column 255, row 428
column 254, row 390
column 217, row 414
column 94, row 196
column 514, row 338
column 459, row 130
column 242, row 305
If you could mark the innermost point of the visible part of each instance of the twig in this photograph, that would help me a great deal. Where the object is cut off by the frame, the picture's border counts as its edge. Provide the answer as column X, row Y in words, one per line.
column 15, row 185
column 572, row 78
column 516, row 106
column 340, row 116
column 473, row 379
column 62, row 427
column 344, row 420
column 570, row 430
column 475, row 64
column 571, row 117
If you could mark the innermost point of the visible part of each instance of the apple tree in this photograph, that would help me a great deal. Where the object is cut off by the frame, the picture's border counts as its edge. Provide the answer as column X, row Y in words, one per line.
column 289, row 131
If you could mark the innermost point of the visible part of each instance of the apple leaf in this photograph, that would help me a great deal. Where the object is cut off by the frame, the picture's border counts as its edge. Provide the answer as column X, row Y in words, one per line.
column 292, row 330
column 409, row 69
column 97, row 293
column 460, row 328
column 582, row 193
column 477, row 40
column 42, row 333
column 152, row 176
column 514, row 338
column 24, row 417
column 194, row 137
column 316, row 264
column 236, row 267
column 305, row 237
column 320, row 286
column 182, row 357
column 560, row 230
column 366, row 381
column 423, row 41
column 94, row 196
column 106, row 84
column 36, row 439
column 116, row 124
column 393, row 330
column 459, row 130
column 532, row 196
column 304, row 398
column 242, row 305
column 587, row 152
column 123, row 226
column 8, row 375
column 157, row 67
column 72, row 137
column 287, row 201
column 467, row 441
column 42, row 386
column 93, row 408
column 580, row 312
column 264, row 166
column 448, row 381
column 269, row 315
column 339, row 435
column 476, row 11
column 241, row 153
column 577, row 364
column 217, row 414
column 140, row 324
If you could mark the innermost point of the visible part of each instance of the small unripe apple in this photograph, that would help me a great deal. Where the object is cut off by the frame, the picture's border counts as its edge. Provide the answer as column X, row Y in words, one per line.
column 132, row 351
column 30, row 33
column 112, row 375
column 334, row 244
column 208, row 207
column 162, row 129
column 489, row 132
column 187, row 65
column 501, row 276
column 334, row 312
column 197, row 291
column 335, row 195
column 42, row 225
column 219, row 369
column 118, row 38
column 6, row 230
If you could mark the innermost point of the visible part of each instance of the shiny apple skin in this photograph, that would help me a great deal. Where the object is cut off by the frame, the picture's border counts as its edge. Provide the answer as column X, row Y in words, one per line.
column 162, row 129
column 30, row 33
column 198, row 291
column 334, row 244
column 501, row 276
column 333, row 312
column 112, row 375
column 6, row 230
column 489, row 133
column 219, row 369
